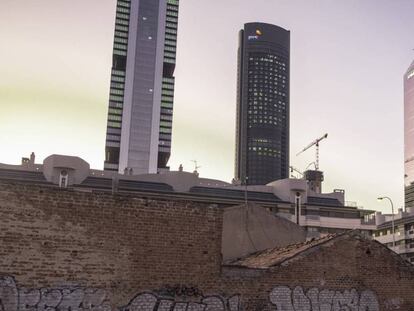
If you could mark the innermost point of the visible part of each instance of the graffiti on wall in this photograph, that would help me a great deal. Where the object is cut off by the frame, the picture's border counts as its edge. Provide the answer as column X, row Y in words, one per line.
column 393, row 303
column 180, row 290
column 178, row 298
column 13, row 298
column 151, row 302
column 286, row 299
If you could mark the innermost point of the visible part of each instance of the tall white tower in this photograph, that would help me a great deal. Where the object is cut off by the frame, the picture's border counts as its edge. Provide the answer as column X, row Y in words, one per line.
column 141, row 96
column 409, row 135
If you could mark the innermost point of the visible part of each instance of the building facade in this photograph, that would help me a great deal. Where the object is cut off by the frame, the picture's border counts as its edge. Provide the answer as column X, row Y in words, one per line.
column 262, row 121
column 139, row 126
column 409, row 135
column 399, row 232
column 291, row 199
column 92, row 250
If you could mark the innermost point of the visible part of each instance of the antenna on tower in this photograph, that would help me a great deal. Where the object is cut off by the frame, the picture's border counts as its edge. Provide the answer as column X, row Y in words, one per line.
column 196, row 167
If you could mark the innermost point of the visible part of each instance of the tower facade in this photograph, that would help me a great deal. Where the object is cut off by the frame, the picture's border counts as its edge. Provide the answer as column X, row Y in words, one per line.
column 262, row 121
column 409, row 135
column 139, row 126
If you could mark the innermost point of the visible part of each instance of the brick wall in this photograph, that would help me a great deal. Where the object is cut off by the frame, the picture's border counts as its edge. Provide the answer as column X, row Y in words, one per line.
column 70, row 250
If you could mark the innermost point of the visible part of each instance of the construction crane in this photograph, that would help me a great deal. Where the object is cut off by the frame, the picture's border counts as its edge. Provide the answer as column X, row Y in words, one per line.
column 294, row 169
column 314, row 143
column 309, row 165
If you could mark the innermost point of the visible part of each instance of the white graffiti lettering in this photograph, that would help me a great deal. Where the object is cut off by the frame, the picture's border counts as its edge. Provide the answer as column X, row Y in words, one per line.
column 325, row 300
column 284, row 298
column 151, row 302
column 92, row 299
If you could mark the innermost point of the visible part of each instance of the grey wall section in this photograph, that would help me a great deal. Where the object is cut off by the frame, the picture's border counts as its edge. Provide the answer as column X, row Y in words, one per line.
column 140, row 120
column 250, row 229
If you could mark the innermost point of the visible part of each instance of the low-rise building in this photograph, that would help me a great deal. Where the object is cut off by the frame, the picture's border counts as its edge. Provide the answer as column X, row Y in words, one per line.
column 398, row 235
column 83, row 245
column 292, row 199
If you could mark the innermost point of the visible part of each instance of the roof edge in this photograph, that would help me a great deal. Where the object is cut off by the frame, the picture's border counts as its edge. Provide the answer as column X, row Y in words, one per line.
column 350, row 233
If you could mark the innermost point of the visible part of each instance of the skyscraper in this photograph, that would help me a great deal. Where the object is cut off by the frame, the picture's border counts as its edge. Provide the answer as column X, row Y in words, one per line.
column 262, row 121
column 142, row 86
column 409, row 135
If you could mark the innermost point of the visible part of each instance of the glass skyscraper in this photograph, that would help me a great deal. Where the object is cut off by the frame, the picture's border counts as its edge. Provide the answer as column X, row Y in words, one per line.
column 138, row 137
column 409, row 135
column 262, row 121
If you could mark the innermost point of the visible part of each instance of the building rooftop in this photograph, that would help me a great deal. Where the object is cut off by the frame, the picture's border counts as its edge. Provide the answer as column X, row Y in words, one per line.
column 318, row 209
column 79, row 176
column 398, row 221
column 276, row 256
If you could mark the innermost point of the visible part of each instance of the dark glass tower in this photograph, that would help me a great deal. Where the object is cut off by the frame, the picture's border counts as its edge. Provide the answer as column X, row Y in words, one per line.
column 409, row 135
column 262, row 122
column 142, row 86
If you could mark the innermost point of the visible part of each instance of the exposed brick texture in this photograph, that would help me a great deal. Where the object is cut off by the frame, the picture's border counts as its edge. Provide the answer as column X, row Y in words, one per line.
column 98, row 249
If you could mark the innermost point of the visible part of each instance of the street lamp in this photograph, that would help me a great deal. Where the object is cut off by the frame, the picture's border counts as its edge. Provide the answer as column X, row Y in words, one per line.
column 393, row 228
column 245, row 190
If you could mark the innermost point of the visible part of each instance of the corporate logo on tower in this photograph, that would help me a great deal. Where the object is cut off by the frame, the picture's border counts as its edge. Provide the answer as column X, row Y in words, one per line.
column 410, row 75
column 256, row 36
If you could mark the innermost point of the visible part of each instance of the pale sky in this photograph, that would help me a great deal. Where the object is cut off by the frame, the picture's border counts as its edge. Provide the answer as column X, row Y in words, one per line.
column 347, row 63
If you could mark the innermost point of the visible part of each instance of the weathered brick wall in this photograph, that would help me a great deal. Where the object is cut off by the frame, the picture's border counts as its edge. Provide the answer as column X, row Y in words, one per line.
column 343, row 269
column 67, row 250
column 50, row 236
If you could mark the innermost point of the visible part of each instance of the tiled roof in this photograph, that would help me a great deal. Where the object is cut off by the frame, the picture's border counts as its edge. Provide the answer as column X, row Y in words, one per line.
column 235, row 194
column 96, row 182
column 274, row 256
column 324, row 201
column 20, row 175
column 144, row 185
column 127, row 185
